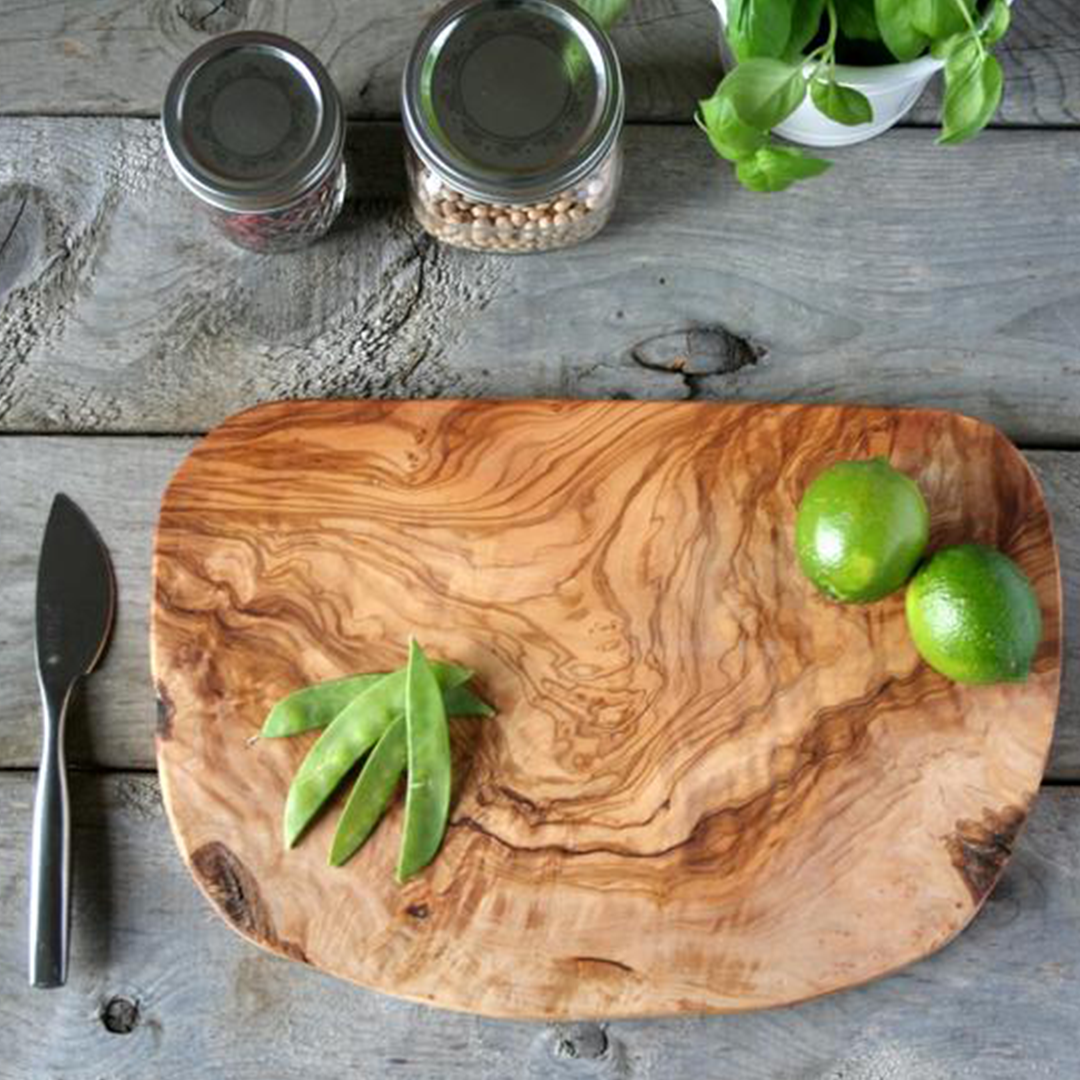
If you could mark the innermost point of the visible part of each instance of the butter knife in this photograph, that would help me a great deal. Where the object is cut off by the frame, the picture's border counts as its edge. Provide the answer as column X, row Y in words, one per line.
column 76, row 602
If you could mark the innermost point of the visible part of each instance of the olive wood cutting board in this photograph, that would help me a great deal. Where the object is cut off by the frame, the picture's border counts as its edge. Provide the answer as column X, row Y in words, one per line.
column 707, row 787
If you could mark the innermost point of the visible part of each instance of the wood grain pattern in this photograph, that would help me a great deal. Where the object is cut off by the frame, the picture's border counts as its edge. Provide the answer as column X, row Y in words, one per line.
column 120, row 310
column 63, row 58
column 708, row 789
column 120, row 480
column 117, row 313
column 994, row 1005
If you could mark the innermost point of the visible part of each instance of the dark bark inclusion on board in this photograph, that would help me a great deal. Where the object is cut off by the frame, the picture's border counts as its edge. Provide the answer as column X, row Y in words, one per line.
column 980, row 849
column 166, row 711
column 235, row 892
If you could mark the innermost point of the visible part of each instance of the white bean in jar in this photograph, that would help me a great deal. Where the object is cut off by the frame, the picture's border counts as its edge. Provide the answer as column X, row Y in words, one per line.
column 513, row 113
column 566, row 218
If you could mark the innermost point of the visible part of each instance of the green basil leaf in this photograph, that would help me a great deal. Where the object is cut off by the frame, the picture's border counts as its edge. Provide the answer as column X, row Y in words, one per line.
column 945, row 47
column 758, row 28
column 764, row 92
column 996, row 22
column 962, row 68
column 606, row 12
column 972, row 95
column 844, row 104
column 805, row 21
column 774, row 168
column 963, row 62
column 857, row 20
column 894, row 19
column 730, row 137
column 939, row 18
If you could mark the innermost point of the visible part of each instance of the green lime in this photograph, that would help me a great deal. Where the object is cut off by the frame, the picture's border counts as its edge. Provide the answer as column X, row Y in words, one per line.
column 861, row 529
column 973, row 615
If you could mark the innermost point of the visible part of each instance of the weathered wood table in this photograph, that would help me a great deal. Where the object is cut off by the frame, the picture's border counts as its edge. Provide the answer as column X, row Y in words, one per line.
column 911, row 274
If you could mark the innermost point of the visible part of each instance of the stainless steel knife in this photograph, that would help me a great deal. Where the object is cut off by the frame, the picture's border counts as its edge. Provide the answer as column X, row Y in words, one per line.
column 76, row 602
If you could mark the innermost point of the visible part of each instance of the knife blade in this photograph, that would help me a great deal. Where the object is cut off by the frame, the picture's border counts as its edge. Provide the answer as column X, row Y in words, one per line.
column 76, row 604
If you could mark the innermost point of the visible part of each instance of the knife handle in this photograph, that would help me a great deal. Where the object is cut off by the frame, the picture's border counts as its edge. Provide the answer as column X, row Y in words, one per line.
column 50, row 853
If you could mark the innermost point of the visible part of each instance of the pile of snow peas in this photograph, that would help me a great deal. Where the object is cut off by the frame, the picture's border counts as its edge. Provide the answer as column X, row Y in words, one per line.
column 401, row 718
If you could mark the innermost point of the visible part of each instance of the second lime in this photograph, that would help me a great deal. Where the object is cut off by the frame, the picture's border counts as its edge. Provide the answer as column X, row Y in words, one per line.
column 974, row 616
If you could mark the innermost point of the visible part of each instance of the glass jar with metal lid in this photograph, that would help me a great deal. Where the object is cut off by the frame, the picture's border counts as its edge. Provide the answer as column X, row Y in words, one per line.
column 254, row 127
column 513, row 111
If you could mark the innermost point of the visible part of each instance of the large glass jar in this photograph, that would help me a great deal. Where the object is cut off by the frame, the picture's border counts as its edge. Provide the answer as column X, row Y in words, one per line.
column 254, row 128
column 513, row 111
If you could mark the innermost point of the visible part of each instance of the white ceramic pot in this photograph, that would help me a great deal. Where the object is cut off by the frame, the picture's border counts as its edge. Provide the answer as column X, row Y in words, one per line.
column 891, row 88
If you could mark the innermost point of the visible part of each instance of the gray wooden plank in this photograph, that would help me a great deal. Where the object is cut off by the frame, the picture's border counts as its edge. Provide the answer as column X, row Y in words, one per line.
column 909, row 275
column 187, row 997
column 114, row 57
column 120, row 480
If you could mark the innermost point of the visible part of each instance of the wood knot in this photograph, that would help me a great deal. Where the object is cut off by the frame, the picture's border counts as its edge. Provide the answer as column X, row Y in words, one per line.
column 587, row 1042
column 710, row 350
column 22, row 228
column 980, row 849
column 120, row 1015
column 213, row 16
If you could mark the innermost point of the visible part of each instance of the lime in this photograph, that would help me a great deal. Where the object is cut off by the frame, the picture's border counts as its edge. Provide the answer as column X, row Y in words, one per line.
column 973, row 615
column 861, row 529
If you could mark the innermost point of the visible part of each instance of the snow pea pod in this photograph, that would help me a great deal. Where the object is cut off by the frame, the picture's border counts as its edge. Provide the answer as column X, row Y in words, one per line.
column 427, row 795
column 378, row 780
column 461, row 701
column 314, row 706
column 350, row 734
column 371, row 795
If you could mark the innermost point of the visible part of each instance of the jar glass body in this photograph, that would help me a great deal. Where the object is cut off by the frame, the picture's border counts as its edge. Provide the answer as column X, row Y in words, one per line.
column 567, row 217
column 254, row 128
column 292, row 226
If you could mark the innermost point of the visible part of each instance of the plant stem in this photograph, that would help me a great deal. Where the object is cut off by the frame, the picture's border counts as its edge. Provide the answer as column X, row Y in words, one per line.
column 828, row 50
column 834, row 25
column 962, row 5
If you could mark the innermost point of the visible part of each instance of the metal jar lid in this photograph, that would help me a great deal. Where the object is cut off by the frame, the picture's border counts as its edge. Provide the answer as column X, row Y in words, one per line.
column 252, row 121
column 512, row 100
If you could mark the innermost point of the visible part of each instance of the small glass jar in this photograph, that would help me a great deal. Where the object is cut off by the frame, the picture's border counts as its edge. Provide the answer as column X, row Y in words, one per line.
column 513, row 111
column 254, row 127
